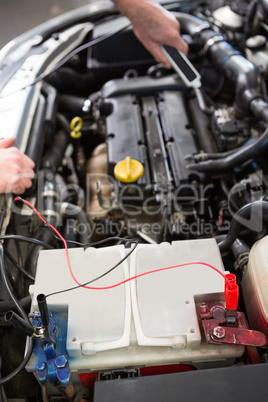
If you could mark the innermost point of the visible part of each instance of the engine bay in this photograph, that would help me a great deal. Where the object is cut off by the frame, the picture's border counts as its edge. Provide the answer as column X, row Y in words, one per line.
column 141, row 247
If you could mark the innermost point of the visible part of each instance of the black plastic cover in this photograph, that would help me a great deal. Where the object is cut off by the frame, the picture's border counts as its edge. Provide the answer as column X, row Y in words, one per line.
column 147, row 120
column 242, row 383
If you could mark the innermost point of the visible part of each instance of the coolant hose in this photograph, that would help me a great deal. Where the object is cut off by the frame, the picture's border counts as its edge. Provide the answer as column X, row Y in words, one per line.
column 73, row 105
column 200, row 123
column 52, row 105
column 66, row 79
column 69, row 210
column 53, row 157
column 36, row 141
column 239, row 248
column 220, row 155
column 192, row 25
column 238, row 157
column 250, row 216
column 64, row 123
column 230, row 62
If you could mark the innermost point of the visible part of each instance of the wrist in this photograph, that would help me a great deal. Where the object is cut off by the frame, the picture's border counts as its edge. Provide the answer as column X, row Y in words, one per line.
column 132, row 8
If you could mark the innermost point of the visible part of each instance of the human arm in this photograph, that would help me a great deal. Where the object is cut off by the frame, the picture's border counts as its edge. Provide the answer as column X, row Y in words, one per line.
column 153, row 26
column 16, row 169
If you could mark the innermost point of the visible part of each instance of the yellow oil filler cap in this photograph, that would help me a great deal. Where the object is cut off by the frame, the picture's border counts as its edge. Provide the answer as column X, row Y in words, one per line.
column 128, row 170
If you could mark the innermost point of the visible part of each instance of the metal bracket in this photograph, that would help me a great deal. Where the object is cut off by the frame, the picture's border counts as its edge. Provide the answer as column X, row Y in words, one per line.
column 222, row 326
column 240, row 335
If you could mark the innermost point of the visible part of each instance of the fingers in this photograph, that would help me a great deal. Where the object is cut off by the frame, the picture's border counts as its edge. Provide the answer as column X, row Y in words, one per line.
column 18, row 184
column 157, row 27
column 16, row 171
column 158, row 54
column 176, row 41
column 178, row 44
column 28, row 164
column 174, row 38
column 23, row 180
column 7, row 143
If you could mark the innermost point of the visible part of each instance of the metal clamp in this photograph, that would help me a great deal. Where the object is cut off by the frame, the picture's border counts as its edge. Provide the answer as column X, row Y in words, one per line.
column 210, row 42
column 221, row 327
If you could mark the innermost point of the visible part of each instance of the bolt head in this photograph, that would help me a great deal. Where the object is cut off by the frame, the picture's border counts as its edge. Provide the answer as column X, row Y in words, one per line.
column 157, row 152
column 203, row 308
column 218, row 332
column 61, row 361
column 40, row 366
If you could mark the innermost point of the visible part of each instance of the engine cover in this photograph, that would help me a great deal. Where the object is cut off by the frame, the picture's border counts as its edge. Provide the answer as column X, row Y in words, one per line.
column 142, row 122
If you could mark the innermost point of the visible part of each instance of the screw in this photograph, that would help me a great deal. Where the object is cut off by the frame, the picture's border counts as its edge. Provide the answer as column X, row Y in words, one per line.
column 61, row 361
column 41, row 372
column 203, row 308
column 218, row 332
column 40, row 366
column 157, row 152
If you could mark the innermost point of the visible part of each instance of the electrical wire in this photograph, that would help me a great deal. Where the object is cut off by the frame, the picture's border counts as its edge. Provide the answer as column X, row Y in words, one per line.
column 21, row 366
column 23, row 315
column 14, row 230
column 96, row 243
column 103, row 241
column 3, row 201
column 18, row 198
column 28, row 240
column 143, row 274
column 84, row 285
column 67, row 58
column 85, row 245
column 19, row 253
column 97, row 278
column 5, row 279
column 12, row 282
column 54, row 229
column 16, row 265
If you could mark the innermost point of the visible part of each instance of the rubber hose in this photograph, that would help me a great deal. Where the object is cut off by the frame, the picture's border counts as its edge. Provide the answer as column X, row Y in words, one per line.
column 257, row 211
column 237, row 158
column 74, row 211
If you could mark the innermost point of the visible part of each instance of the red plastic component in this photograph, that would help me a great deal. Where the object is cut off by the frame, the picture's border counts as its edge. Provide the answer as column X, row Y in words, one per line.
column 88, row 379
column 231, row 292
column 166, row 369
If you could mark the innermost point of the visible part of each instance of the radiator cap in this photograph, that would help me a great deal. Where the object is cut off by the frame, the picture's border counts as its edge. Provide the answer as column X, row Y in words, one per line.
column 128, row 170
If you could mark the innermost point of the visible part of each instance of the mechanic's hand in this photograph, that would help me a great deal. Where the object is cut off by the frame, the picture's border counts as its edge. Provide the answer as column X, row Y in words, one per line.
column 153, row 26
column 16, row 169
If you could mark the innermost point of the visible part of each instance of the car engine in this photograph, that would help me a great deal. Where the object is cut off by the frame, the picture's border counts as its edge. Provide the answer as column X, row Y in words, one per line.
column 141, row 247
